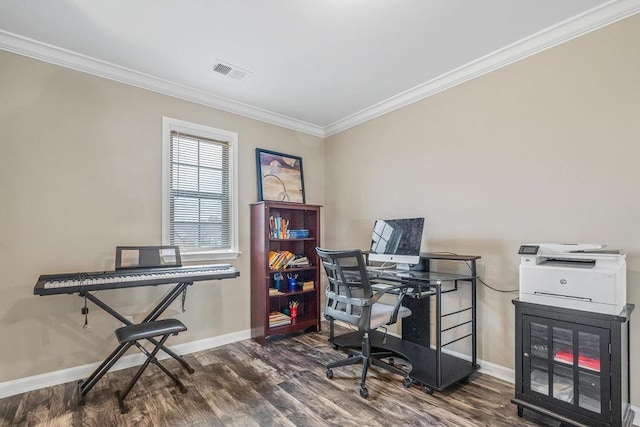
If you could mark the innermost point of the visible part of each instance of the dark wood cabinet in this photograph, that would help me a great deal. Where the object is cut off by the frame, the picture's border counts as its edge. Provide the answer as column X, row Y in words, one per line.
column 573, row 365
column 264, row 298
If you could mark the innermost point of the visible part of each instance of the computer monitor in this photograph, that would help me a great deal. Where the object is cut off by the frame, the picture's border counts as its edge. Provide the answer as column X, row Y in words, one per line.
column 397, row 241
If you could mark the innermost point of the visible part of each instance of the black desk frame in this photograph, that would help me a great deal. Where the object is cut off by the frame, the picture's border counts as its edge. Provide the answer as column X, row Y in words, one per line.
column 84, row 386
column 431, row 367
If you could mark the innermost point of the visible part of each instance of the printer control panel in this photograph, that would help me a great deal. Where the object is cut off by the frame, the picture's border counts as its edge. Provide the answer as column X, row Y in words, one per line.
column 528, row 249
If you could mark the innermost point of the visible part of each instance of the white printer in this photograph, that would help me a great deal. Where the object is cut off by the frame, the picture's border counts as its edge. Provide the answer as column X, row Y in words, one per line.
column 578, row 276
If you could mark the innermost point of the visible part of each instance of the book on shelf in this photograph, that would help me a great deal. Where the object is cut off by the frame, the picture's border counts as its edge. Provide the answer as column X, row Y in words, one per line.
column 299, row 261
column 307, row 286
column 279, row 260
column 274, row 256
column 277, row 315
column 274, row 291
column 278, row 319
column 288, row 256
column 278, row 227
column 298, row 234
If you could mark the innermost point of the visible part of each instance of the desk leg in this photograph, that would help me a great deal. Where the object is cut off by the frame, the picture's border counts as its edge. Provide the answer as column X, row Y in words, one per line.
column 474, row 319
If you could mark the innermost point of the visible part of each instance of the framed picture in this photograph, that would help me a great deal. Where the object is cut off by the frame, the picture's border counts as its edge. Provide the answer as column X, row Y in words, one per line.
column 279, row 177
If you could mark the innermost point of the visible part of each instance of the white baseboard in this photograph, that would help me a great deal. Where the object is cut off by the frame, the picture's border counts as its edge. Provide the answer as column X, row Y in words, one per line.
column 23, row 385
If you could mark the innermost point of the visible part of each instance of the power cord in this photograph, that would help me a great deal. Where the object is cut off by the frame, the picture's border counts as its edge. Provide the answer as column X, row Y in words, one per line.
column 505, row 291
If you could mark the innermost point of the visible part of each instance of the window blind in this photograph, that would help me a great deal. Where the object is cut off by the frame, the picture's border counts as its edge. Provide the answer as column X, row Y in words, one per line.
column 200, row 196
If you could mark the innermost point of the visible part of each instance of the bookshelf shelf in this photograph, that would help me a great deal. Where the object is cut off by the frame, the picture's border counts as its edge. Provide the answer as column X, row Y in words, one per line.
column 288, row 293
column 292, row 240
column 263, row 248
column 294, row 270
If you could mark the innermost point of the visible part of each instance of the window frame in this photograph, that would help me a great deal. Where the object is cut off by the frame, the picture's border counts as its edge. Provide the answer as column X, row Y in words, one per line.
column 198, row 130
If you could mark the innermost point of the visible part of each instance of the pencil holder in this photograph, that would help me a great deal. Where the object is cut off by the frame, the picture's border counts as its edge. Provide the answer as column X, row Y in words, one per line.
column 277, row 283
column 292, row 283
column 294, row 312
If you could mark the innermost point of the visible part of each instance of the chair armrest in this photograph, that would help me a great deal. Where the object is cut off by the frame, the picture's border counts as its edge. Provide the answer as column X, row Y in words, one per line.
column 394, row 317
column 386, row 289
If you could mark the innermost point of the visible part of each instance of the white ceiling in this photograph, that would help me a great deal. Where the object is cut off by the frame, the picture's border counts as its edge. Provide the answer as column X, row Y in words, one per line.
column 318, row 66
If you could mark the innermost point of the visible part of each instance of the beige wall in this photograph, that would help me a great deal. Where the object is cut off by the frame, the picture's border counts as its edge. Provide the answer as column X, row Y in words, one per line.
column 544, row 150
column 80, row 172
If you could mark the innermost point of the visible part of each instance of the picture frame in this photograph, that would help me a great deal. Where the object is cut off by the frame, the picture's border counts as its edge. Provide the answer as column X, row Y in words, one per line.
column 280, row 177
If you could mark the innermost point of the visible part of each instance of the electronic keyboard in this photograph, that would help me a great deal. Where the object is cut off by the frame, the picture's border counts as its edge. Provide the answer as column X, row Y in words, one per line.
column 53, row 284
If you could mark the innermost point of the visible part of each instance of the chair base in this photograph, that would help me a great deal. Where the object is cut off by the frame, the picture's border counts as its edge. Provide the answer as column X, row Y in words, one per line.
column 367, row 358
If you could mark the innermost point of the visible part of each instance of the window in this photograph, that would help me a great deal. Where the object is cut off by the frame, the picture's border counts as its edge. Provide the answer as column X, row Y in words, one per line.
column 199, row 200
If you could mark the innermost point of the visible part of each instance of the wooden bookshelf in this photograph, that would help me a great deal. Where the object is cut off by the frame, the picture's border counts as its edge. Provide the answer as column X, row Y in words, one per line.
column 263, row 302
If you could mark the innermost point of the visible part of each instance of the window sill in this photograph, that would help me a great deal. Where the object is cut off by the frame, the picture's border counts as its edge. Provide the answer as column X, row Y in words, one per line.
column 195, row 256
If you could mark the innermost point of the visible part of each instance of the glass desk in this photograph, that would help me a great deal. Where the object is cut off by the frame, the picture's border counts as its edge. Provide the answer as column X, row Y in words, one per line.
column 436, row 361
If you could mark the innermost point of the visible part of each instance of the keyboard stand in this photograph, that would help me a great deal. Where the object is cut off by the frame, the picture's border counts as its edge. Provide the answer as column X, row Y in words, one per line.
column 84, row 386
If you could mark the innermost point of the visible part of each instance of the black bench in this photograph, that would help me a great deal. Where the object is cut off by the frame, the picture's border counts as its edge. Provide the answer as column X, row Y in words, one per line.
column 130, row 335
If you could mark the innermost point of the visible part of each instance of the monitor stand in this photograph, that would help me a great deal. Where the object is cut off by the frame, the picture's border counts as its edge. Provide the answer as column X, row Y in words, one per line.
column 420, row 266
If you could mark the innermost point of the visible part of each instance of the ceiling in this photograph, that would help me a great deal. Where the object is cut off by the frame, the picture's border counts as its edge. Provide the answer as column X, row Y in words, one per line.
column 318, row 66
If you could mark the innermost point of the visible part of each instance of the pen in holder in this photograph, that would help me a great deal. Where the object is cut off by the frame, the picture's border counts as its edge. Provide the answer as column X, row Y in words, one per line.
column 293, row 309
column 277, row 281
column 292, row 281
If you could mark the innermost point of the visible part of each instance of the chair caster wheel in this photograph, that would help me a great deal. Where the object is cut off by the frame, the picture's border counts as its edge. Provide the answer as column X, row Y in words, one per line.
column 407, row 382
column 329, row 373
column 364, row 392
column 335, row 346
column 428, row 390
column 391, row 362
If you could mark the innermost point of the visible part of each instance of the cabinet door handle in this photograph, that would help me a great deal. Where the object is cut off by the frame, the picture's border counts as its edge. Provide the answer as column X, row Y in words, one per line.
column 526, row 355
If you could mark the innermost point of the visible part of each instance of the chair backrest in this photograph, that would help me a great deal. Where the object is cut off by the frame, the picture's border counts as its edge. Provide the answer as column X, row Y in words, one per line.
column 349, row 294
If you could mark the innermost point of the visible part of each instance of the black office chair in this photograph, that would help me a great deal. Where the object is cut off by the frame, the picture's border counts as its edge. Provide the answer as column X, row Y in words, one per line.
column 351, row 299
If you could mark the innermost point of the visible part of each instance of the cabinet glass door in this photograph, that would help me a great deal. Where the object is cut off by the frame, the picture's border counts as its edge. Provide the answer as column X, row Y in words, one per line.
column 539, row 365
column 563, row 353
column 589, row 374
column 566, row 364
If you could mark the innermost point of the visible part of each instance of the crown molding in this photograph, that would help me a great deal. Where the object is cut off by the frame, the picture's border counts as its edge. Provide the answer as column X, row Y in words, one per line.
column 75, row 61
column 591, row 20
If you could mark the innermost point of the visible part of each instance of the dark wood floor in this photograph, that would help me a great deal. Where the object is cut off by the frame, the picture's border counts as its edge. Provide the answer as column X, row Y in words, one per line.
column 284, row 384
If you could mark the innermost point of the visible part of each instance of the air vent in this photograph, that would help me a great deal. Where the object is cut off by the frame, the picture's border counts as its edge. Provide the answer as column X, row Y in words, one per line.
column 227, row 69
